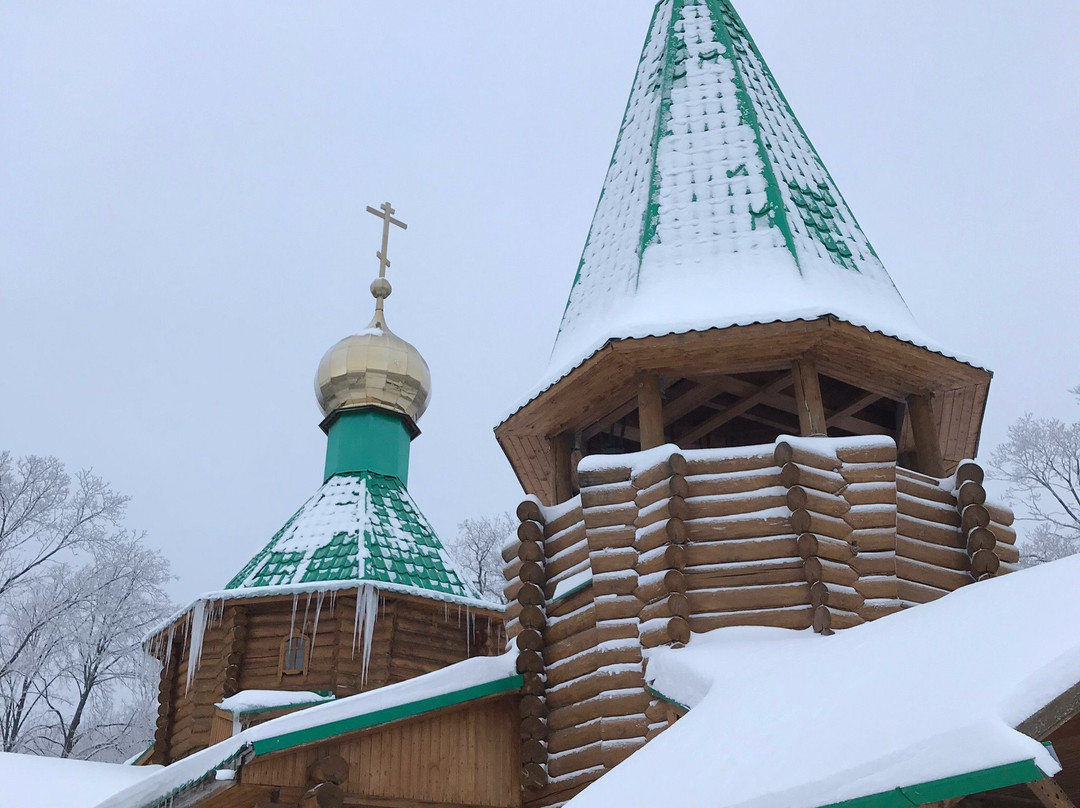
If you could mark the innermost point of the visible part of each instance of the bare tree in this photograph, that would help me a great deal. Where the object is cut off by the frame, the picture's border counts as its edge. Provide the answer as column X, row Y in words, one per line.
column 477, row 549
column 77, row 592
column 1041, row 462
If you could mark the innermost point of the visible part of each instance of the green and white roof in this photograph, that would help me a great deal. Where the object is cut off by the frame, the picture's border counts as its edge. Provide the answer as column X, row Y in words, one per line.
column 716, row 210
column 357, row 528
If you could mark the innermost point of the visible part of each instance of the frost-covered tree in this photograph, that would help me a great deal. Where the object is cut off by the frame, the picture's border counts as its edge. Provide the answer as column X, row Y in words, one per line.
column 477, row 549
column 77, row 592
column 1041, row 463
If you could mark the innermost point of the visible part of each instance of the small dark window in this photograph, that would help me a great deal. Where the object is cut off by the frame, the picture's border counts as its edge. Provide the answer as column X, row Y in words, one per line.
column 294, row 655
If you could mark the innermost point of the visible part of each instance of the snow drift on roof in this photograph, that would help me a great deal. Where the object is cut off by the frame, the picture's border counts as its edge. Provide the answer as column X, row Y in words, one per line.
column 47, row 781
column 795, row 720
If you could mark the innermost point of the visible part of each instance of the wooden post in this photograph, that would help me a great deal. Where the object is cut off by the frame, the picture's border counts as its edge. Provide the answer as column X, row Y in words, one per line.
column 924, row 428
column 1051, row 794
column 564, row 446
column 650, row 413
column 812, row 421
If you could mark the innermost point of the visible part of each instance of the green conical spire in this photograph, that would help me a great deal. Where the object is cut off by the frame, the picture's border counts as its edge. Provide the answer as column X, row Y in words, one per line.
column 716, row 209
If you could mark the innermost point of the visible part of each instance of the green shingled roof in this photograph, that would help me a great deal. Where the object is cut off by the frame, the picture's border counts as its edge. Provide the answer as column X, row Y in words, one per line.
column 716, row 209
column 361, row 527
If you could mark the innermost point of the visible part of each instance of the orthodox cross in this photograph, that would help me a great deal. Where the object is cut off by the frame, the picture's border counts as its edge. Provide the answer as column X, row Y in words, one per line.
column 386, row 213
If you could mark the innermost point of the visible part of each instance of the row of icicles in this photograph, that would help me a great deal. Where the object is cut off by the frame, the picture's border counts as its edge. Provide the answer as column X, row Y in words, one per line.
column 205, row 614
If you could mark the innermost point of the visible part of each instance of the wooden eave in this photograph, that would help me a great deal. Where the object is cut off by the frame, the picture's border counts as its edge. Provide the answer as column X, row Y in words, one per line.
column 886, row 366
column 272, row 600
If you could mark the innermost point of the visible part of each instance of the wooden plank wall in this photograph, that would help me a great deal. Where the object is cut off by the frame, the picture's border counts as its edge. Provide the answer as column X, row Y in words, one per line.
column 463, row 756
column 242, row 651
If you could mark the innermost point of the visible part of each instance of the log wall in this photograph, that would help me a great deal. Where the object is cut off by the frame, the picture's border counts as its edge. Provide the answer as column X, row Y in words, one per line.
column 794, row 535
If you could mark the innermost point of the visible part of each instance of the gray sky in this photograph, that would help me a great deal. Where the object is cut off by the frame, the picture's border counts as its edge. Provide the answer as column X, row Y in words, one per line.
column 182, row 226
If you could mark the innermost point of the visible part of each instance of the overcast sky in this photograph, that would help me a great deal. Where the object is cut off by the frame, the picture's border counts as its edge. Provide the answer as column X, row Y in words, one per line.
column 182, row 226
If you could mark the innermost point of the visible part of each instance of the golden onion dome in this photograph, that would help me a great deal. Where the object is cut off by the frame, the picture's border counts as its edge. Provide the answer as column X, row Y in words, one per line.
column 374, row 368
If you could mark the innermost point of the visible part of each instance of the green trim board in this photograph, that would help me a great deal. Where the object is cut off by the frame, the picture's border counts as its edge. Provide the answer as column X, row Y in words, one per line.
column 670, row 701
column 977, row 782
column 353, row 724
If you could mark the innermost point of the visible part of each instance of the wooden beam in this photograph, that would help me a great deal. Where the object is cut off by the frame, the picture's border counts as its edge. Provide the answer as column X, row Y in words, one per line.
column 1051, row 794
column 811, row 411
column 924, row 427
column 690, row 400
column 785, row 429
column 564, row 446
column 856, row 406
column 610, row 419
column 787, row 404
column 735, row 410
column 1053, row 716
column 650, row 412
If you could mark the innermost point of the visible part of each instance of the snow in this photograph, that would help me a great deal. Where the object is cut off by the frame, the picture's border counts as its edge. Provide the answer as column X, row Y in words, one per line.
column 710, row 258
column 48, row 782
column 160, row 783
column 568, row 586
column 640, row 462
column 796, row 720
column 247, row 701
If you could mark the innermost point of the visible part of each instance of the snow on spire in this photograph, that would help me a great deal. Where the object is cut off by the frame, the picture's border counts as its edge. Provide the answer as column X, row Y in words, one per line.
column 717, row 210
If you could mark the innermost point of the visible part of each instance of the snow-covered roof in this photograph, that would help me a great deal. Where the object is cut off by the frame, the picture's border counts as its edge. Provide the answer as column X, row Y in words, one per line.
column 358, row 528
column 48, row 781
column 716, row 209
column 465, row 681
column 253, row 701
column 796, row 720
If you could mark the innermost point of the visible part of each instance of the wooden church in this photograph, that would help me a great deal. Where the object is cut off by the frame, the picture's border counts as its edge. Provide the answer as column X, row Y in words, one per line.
column 744, row 468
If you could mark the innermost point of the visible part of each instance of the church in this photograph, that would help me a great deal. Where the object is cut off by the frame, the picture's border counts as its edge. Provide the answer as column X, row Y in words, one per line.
column 756, row 564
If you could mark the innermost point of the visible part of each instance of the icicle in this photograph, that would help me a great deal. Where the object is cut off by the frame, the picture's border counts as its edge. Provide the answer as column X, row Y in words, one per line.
column 292, row 620
column 315, row 627
column 197, row 618
column 307, row 606
column 333, row 600
column 367, row 609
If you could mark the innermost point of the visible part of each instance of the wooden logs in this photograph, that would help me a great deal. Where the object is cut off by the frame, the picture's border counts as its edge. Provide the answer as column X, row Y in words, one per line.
column 971, row 471
column 532, row 617
column 822, row 620
column 785, row 453
column 529, row 640
column 532, row 575
column 830, row 549
column 533, row 776
column 984, row 562
column 969, row 493
column 799, row 497
column 530, row 595
column 665, row 631
column 529, row 511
